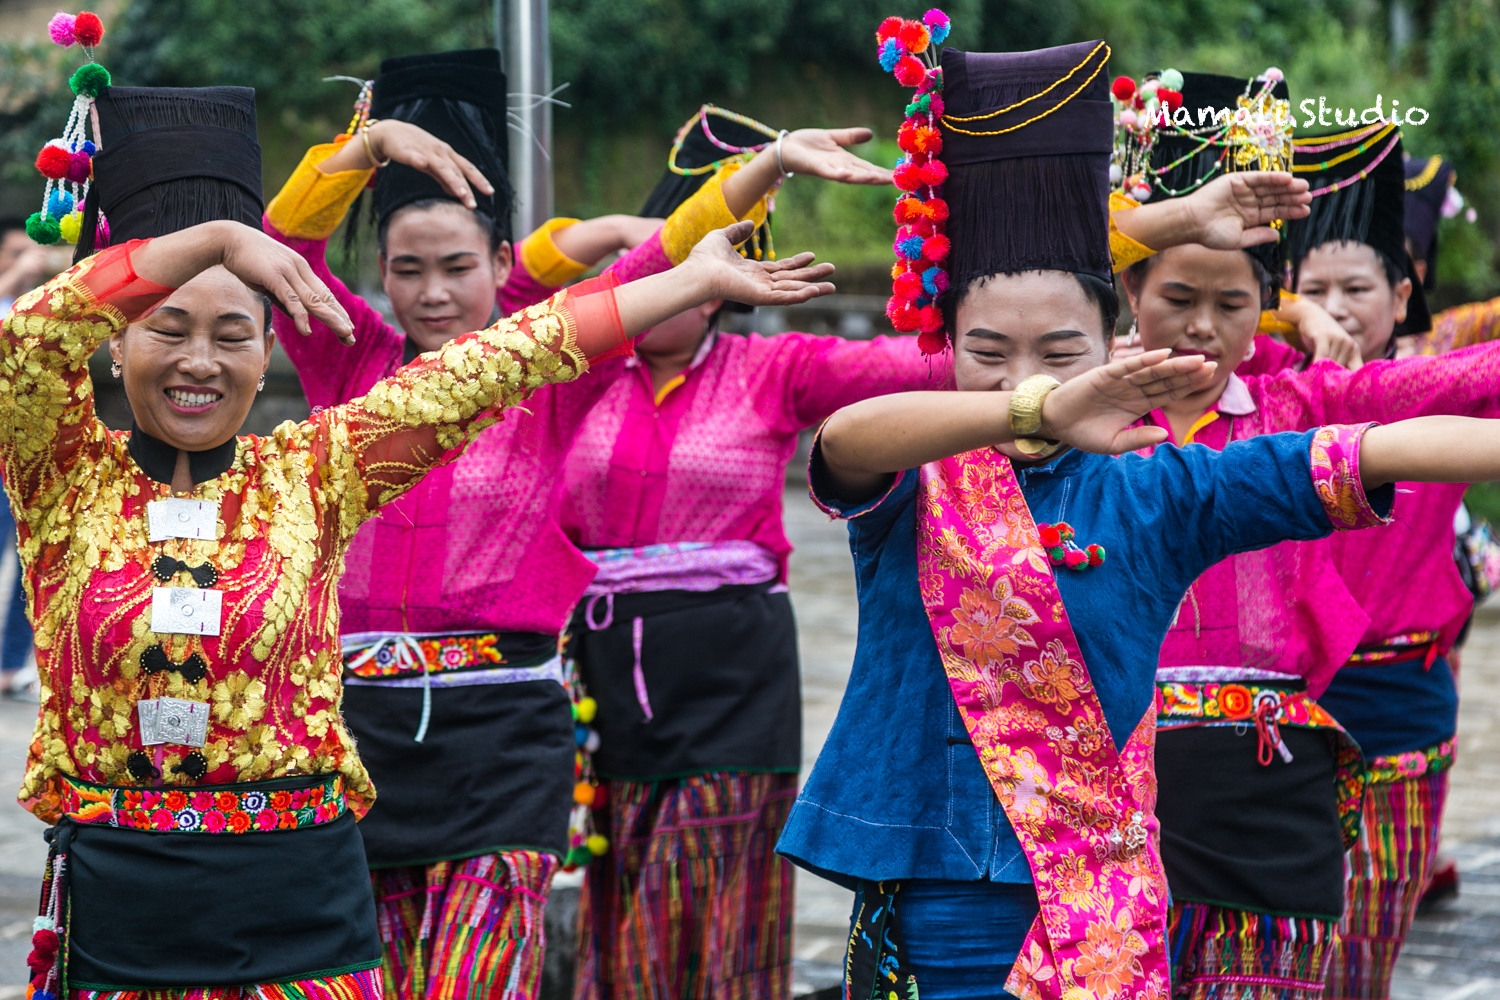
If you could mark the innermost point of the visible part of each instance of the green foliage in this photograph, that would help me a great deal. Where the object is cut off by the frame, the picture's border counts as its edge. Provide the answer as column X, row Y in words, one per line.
column 34, row 81
column 849, row 225
column 1483, row 501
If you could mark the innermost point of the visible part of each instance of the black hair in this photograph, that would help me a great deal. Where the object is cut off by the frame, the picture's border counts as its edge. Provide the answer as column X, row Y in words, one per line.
column 267, row 302
column 1388, row 267
column 1269, row 293
column 492, row 232
column 1100, row 293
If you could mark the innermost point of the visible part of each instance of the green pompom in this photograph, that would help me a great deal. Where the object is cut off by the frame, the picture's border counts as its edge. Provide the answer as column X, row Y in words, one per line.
column 43, row 229
column 579, row 856
column 89, row 79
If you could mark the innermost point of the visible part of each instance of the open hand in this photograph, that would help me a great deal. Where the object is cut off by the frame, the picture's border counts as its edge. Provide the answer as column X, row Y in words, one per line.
column 280, row 272
column 403, row 142
column 1097, row 410
column 727, row 275
column 1235, row 210
column 821, row 153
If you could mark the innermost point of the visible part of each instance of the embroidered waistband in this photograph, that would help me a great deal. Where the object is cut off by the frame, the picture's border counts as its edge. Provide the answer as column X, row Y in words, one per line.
column 1410, row 646
column 1412, row 764
column 552, row 670
column 375, row 655
column 205, row 809
column 1183, row 703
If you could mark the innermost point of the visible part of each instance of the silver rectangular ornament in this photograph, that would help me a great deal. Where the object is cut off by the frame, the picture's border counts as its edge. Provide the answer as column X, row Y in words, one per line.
column 182, row 518
column 186, row 610
column 182, row 722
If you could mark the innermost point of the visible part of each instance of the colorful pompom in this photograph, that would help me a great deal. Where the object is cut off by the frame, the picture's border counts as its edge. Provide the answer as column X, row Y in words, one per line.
column 937, row 210
column 920, row 107
column 1127, row 118
column 932, row 342
column 898, row 268
column 908, row 210
column 933, row 174
column 908, row 176
column 1123, row 88
column 914, row 35
column 60, row 29
column 1095, row 554
column 585, row 710
column 583, row 793
column 936, row 107
column 891, row 53
column 938, row 24
column 1049, row 536
column 934, row 281
column 929, row 319
column 59, row 204
column 88, row 79
column 80, row 167
column 1274, row 75
column 598, row 845
column 601, row 796
column 1171, row 79
column 1170, row 99
column 70, row 226
column 45, row 942
column 910, row 247
column 888, row 29
column 902, row 314
column 88, row 29
column 907, row 286
column 935, row 248
column 53, row 161
column 1076, row 559
column 910, row 71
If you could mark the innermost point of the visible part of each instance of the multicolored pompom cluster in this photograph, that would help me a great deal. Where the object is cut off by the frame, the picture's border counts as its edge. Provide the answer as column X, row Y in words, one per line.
column 68, row 161
column 584, row 842
column 1057, row 539
column 921, row 247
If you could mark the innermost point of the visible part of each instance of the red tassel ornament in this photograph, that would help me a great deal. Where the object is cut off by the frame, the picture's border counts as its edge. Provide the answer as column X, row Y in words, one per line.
column 1057, row 539
column 88, row 30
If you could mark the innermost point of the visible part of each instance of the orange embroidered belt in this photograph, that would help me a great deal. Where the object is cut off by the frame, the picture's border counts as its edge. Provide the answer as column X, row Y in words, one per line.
column 240, row 808
column 1411, row 646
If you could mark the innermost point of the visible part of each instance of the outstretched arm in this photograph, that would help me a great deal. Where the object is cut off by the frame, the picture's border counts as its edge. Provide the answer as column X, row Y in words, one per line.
column 866, row 443
column 1431, row 450
column 1231, row 212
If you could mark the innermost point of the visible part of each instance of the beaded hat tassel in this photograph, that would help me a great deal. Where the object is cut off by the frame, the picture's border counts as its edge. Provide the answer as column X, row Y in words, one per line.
column 68, row 161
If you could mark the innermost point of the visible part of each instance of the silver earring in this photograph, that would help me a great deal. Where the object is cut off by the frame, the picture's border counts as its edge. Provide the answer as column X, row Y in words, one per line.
column 114, row 369
column 261, row 385
column 1133, row 337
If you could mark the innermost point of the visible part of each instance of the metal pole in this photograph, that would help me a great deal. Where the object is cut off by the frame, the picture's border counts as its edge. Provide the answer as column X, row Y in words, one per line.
column 528, row 67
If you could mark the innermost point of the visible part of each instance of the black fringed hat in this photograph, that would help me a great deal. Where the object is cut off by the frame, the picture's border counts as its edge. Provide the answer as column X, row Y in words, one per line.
column 171, row 158
column 1359, row 196
column 1181, row 161
column 1026, row 140
column 1427, row 184
column 459, row 97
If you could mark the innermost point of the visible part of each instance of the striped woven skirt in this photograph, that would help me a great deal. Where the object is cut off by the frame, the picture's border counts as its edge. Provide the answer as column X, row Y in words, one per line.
column 691, row 902
column 363, row 985
column 1388, row 868
column 1224, row 954
column 464, row 930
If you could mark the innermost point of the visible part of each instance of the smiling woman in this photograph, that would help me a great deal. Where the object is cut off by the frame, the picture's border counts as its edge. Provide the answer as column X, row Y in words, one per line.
column 183, row 579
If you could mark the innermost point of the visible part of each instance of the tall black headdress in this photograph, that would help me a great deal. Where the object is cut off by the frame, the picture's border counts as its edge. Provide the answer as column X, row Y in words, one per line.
column 171, row 158
column 1427, row 184
column 459, row 97
column 1219, row 124
column 1359, row 196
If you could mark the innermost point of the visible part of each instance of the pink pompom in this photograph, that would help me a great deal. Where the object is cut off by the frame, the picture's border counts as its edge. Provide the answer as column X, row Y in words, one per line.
column 910, row 71
column 929, row 319
column 60, row 28
column 1076, row 559
column 80, row 167
column 935, row 249
column 940, row 281
column 101, row 232
column 908, row 286
column 934, row 174
column 936, row 106
column 908, row 176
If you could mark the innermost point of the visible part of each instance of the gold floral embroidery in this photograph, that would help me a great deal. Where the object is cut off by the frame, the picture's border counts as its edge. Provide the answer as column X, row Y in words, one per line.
column 238, row 701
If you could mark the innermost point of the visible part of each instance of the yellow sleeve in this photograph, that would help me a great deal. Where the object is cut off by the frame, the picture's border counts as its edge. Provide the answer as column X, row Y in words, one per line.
column 1124, row 250
column 701, row 214
column 540, row 255
column 311, row 204
column 1269, row 324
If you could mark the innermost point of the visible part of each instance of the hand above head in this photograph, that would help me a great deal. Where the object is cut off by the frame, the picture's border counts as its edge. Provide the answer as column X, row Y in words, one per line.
column 1097, row 410
column 822, row 153
column 715, row 270
column 253, row 257
column 403, row 142
column 1231, row 212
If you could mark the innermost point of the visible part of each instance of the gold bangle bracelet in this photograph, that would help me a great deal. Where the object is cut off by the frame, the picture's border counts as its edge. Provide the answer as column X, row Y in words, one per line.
column 364, row 135
column 1026, row 415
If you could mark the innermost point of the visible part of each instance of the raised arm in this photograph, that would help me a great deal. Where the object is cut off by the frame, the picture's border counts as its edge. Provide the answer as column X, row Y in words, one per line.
column 1231, row 212
column 864, row 444
column 1431, row 450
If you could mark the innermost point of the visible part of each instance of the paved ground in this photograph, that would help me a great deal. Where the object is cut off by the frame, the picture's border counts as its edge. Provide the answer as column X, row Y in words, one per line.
column 1452, row 955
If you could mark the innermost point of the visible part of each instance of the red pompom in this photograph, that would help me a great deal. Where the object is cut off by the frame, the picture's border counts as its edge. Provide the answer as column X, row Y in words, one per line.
column 38, row 963
column 910, row 71
column 935, row 249
column 933, row 174
column 601, row 795
column 1076, row 559
column 930, row 319
column 88, row 29
column 922, row 227
column 1096, row 555
column 908, row 210
column 937, row 210
column 908, row 176
column 906, row 138
column 932, row 342
column 903, row 315
column 45, row 942
column 908, row 286
column 1123, row 88
column 1170, row 99
column 1049, row 536
column 54, row 161
column 1065, row 530
column 889, row 28
column 914, row 35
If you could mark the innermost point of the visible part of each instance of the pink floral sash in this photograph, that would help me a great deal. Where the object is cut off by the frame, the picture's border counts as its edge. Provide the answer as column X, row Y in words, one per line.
column 1084, row 813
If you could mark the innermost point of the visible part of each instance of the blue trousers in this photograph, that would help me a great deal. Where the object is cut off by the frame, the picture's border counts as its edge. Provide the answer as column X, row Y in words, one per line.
column 961, row 938
column 15, row 630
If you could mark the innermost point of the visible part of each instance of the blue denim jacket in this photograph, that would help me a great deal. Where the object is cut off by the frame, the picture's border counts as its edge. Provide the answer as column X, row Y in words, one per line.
column 898, row 791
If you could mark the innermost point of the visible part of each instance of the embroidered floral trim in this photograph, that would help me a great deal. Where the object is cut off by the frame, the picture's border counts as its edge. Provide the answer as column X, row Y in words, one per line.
column 204, row 810
column 1179, row 701
column 1335, row 476
column 1412, row 764
column 1400, row 647
column 440, row 654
